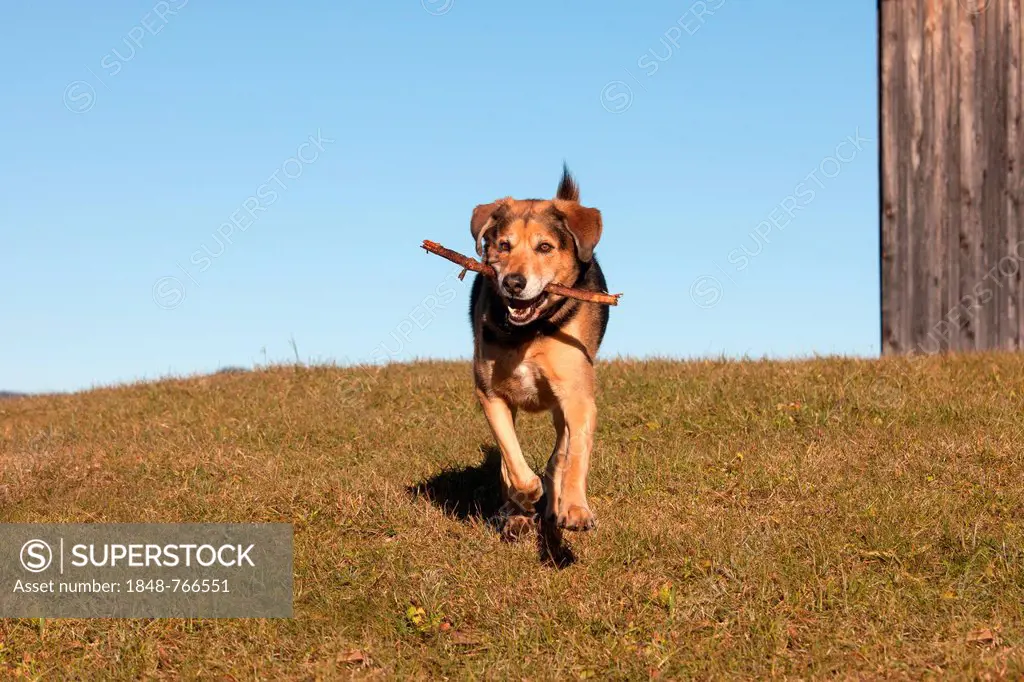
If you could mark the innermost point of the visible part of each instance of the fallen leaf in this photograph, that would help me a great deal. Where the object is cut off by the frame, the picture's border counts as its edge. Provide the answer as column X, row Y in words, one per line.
column 982, row 636
column 352, row 656
column 464, row 638
column 415, row 615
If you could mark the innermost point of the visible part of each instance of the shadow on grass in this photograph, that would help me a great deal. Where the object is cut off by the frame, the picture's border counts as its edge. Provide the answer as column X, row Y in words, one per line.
column 470, row 493
column 473, row 494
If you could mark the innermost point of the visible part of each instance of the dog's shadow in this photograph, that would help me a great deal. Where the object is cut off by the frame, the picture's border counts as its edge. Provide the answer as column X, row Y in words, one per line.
column 472, row 494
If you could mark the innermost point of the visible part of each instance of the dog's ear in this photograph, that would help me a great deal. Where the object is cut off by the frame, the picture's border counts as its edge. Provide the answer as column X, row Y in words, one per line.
column 584, row 224
column 482, row 221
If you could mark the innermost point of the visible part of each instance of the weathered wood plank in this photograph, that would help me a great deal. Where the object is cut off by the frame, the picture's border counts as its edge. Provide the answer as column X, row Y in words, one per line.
column 889, row 202
column 934, row 211
column 915, row 294
column 993, row 177
column 951, row 286
column 1014, row 157
column 970, row 218
column 971, row 180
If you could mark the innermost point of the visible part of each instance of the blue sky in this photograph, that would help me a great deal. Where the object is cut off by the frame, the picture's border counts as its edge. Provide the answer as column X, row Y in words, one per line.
column 191, row 185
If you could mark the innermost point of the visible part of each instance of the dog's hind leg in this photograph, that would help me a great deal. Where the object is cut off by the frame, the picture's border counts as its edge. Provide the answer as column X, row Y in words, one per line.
column 556, row 465
column 520, row 485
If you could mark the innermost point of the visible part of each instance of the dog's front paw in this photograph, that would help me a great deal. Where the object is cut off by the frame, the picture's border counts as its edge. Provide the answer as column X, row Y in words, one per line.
column 577, row 517
column 527, row 498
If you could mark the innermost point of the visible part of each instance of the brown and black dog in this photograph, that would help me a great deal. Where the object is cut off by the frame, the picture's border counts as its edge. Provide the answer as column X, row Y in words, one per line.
column 534, row 350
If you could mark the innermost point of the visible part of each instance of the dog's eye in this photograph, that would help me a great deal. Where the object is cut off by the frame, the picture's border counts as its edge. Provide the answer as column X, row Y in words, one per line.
column 544, row 247
column 504, row 246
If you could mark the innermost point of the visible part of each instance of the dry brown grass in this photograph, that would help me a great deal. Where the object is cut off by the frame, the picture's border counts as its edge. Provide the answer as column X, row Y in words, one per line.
column 757, row 519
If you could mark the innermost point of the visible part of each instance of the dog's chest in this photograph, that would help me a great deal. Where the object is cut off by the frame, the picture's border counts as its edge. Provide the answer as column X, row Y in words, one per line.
column 525, row 378
column 523, row 384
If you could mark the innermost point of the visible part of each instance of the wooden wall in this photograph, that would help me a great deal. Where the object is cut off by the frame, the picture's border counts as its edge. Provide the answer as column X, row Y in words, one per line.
column 952, row 175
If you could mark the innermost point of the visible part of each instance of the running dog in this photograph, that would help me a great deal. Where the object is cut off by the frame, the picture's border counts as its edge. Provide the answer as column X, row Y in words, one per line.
column 535, row 351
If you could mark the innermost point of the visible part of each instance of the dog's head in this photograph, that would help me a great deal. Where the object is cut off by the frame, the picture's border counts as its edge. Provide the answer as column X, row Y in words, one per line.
column 532, row 243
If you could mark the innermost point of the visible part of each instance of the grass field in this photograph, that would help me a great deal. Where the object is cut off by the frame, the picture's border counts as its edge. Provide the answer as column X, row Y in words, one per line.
column 756, row 519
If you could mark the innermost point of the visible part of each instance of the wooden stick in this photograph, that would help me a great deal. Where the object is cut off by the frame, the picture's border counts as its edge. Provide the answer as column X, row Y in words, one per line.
column 487, row 271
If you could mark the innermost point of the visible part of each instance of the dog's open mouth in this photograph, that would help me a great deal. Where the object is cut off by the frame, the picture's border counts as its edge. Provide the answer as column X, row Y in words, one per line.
column 524, row 312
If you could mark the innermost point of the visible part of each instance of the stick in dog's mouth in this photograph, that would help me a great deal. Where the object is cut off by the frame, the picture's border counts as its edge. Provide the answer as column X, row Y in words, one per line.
column 600, row 297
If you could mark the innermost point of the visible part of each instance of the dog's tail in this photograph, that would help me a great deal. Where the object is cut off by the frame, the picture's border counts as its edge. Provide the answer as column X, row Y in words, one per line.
column 567, row 188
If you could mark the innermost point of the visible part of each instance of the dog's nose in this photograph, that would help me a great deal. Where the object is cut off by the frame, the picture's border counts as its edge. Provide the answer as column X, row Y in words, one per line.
column 513, row 284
